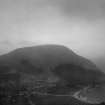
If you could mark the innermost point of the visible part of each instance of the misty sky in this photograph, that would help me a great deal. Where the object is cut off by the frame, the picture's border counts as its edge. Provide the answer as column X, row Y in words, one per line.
column 78, row 24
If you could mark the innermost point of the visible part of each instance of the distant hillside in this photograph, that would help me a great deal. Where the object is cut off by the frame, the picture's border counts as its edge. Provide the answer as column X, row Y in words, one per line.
column 45, row 58
column 51, row 69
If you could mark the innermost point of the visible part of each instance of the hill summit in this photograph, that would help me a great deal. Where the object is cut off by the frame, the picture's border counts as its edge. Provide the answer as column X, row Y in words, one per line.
column 47, row 56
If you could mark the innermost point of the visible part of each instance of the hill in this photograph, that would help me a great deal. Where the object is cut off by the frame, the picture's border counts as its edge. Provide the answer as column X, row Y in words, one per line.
column 50, row 69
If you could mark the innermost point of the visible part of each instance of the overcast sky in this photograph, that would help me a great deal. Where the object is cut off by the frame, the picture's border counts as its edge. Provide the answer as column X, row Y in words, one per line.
column 78, row 24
